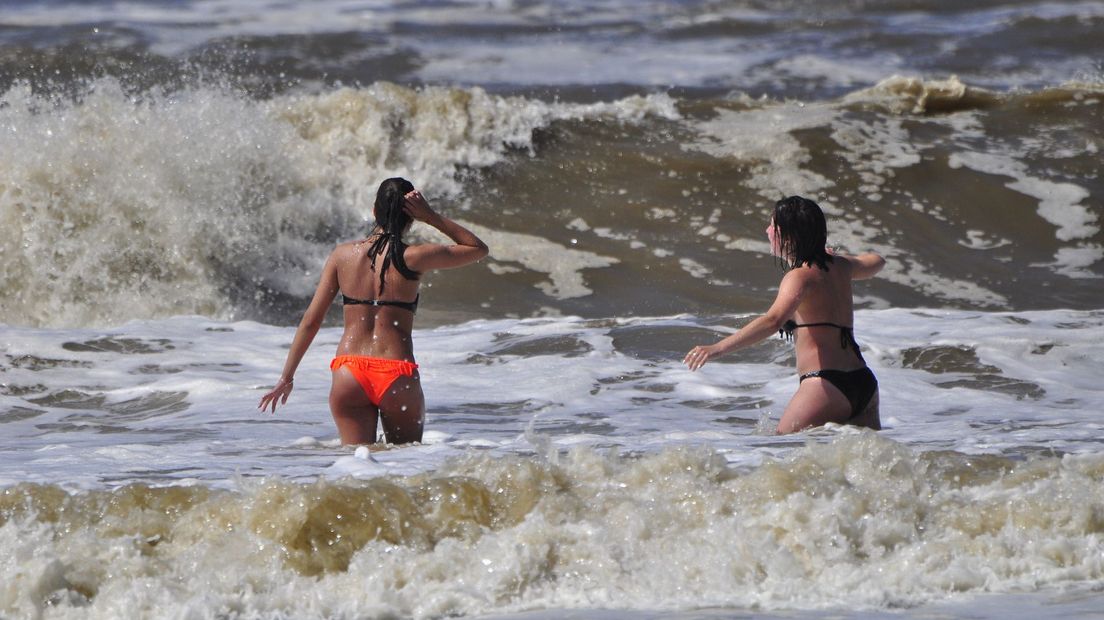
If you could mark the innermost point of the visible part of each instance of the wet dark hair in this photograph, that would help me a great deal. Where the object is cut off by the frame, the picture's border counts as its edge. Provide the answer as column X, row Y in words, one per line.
column 802, row 233
column 391, row 223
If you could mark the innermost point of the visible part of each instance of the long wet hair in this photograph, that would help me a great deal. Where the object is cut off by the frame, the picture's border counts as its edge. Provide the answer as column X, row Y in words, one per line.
column 391, row 222
column 802, row 233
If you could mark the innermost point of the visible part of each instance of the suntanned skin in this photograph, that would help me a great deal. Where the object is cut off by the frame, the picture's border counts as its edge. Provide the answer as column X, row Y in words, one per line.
column 808, row 294
column 376, row 331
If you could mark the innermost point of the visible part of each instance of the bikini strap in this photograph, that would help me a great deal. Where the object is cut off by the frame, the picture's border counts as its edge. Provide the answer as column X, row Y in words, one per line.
column 412, row 306
column 847, row 334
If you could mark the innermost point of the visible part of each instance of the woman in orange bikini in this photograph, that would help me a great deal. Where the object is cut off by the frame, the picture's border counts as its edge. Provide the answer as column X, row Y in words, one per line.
column 374, row 373
column 815, row 298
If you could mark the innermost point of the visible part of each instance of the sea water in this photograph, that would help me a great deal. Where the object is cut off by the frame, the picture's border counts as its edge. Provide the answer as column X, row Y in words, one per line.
column 568, row 463
column 172, row 177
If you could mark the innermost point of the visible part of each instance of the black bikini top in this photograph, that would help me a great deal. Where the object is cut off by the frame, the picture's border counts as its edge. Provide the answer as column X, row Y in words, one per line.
column 847, row 334
column 412, row 306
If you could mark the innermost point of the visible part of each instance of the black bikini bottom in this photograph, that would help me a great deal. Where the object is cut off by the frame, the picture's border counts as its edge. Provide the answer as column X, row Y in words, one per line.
column 858, row 385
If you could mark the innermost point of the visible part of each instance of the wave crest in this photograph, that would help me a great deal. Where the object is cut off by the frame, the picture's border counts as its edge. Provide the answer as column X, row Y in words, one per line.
column 204, row 201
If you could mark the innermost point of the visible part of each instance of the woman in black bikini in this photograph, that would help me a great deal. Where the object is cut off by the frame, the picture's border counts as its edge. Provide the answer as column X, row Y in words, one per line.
column 374, row 373
column 814, row 308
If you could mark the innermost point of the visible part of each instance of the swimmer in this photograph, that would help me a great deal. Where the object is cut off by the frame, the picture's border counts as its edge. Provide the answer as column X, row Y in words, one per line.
column 375, row 377
column 814, row 308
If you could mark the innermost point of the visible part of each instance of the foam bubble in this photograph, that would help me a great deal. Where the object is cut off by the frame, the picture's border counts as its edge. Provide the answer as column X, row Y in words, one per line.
column 1075, row 262
column 694, row 268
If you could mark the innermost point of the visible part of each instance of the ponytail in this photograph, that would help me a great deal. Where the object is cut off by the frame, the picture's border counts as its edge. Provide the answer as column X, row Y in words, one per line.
column 391, row 222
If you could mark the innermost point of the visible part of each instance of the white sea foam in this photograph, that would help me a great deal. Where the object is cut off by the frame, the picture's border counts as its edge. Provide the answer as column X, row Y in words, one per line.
column 875, row 149
column 562, row 264
column 978, row 240
column 1075, row 262
column 1060, row 204
column 192, row 384
column 762, row 137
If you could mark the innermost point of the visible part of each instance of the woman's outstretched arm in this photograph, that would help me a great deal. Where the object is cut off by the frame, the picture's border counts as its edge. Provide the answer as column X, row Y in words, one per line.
column 785, row 304
column 304, row 335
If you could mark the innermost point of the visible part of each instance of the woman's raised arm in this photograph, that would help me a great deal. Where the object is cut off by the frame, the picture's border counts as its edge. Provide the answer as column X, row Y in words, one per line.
column 865, row 266
column 468, row 249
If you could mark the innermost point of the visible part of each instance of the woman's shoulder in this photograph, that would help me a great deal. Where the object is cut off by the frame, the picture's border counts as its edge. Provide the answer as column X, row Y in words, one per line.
column 414, row 251
column 809, row 277
column 344, row 251
column 348, row 246
column 842, row 263
column 862, row 266
column 813, row 271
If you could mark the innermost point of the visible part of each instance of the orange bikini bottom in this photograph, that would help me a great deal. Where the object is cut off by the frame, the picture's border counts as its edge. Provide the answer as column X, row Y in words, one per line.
column 374, row 374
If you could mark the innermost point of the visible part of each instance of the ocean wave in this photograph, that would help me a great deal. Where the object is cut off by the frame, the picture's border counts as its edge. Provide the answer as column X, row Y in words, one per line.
column 862, row 522
column 118, row 205
column 906, row 127
column 121, row 205
column 917, row 95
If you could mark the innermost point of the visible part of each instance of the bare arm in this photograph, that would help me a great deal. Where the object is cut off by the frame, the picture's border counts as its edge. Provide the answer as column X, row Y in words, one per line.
column 304, row 335
column 785, row 304
column 865, row 266
column 468, row 248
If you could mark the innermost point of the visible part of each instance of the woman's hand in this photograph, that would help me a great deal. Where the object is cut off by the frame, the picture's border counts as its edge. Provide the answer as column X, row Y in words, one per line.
column 279, row 393
column 698, row 356
column 416, row 207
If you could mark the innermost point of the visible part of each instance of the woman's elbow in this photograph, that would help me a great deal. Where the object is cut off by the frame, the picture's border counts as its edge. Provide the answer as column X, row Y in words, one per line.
column 867, row 266
column 312, row 321
column 774, row 321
